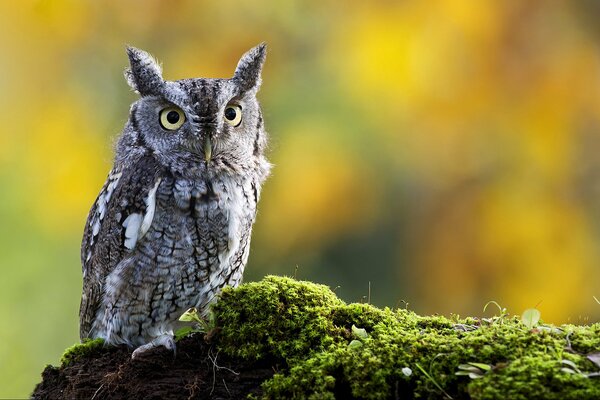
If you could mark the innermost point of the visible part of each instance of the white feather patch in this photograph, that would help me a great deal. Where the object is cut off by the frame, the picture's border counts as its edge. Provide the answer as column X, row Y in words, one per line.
column 135, row 225
column 96, row 227
column 101, row 206
column 103, row 201
column 132, row 229
column 150, row 207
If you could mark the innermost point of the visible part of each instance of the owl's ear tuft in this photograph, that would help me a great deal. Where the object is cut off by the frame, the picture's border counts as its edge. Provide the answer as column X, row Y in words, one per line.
column 144, row 74
column 247, row 73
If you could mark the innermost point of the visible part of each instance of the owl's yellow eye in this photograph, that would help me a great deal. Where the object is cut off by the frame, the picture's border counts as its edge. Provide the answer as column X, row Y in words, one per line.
column 233, row 114
column 171, row 118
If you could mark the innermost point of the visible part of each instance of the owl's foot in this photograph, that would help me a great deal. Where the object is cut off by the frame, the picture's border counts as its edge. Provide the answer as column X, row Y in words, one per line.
column 165, row 340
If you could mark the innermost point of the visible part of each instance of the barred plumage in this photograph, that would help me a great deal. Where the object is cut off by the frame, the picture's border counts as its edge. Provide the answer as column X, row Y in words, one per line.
column 172, row 224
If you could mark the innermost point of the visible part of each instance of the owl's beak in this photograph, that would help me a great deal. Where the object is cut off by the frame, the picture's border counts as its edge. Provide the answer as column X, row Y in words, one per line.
column 207, row 149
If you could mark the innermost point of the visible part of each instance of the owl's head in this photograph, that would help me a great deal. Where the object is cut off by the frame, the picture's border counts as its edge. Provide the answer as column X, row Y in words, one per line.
column 197, row 126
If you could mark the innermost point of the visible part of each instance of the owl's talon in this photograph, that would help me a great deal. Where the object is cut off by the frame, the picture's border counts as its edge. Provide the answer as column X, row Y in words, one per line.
column 166, row 341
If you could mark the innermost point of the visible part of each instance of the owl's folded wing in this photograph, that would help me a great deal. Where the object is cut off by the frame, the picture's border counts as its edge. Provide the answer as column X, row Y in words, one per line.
column 121, row 215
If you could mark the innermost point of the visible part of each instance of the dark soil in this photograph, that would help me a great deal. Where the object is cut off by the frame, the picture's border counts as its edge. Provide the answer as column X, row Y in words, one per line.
column 197, row 371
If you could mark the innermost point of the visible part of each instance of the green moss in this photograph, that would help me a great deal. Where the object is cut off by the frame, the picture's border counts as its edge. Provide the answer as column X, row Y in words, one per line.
column 307, row 330
column 531, row 377
column 75, row 352
column 584, row 339
column 324, row 348
column 277, row 317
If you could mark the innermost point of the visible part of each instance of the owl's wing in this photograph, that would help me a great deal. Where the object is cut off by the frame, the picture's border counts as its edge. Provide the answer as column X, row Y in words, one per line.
column 121, row 215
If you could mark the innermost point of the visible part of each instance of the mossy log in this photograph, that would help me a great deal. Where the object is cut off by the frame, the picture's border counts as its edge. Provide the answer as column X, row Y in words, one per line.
column 282, row 338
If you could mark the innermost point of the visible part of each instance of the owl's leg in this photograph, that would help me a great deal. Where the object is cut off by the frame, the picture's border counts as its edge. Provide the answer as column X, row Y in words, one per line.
column 166, row 340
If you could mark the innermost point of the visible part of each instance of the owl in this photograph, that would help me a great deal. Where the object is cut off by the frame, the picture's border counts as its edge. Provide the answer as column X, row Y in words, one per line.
column 172, row 224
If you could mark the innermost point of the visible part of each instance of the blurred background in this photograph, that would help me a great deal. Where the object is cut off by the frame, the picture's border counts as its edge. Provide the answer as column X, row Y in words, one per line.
column 443, row 153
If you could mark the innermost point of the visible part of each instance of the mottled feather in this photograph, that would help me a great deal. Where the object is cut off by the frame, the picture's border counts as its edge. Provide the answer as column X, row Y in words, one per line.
column 103, row 246
column 172, row 224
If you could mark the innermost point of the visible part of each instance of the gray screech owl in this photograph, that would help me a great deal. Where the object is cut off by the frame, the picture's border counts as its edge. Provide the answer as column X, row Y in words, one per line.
column 172, row 224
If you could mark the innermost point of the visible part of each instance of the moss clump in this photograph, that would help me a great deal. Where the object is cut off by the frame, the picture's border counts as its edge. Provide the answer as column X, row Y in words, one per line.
column 308, row 331
column 277, row 317
column 79, row 350
column 534, row 377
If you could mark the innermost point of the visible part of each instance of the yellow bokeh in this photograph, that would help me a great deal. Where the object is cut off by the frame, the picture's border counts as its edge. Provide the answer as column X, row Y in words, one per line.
column 61, row 158
column 444, row 153
column 333, row 190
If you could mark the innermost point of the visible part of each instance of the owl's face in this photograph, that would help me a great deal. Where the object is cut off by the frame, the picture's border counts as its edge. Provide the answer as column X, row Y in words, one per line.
column 199, row 126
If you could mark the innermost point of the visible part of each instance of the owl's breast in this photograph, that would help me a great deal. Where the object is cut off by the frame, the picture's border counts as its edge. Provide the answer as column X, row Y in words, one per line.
column 197, row 242
column 210, row 218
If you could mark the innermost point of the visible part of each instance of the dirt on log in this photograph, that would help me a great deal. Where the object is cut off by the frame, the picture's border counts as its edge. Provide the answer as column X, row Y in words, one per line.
column 196, row 371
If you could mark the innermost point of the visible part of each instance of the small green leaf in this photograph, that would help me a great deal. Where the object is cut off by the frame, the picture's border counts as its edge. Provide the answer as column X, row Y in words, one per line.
column 468, row 367
column 473, row 370
column 191, row 315
column 182, row 332
column 531, row 317
column 462, row 373
column 359, row 332
column 472, row 375
column 355, row 344
column 568, row 370
column 481, row 366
